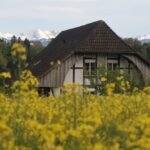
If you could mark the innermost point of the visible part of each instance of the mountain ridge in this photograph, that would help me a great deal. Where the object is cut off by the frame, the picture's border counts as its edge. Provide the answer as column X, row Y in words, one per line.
column 144, row 38
column 44, row 36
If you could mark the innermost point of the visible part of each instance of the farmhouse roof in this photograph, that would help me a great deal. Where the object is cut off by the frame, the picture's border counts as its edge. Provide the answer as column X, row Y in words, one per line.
column 96, row 37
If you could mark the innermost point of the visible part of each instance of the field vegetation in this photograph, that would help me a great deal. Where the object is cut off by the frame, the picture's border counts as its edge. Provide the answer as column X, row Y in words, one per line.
column 119, row 119
column 72, row 121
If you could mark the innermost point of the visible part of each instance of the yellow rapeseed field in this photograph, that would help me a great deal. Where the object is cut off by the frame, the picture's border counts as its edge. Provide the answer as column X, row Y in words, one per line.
column 73, row 121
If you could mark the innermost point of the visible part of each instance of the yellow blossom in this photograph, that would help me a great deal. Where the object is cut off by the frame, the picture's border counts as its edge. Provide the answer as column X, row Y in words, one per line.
column 119, row 78
column 103, row 79
column 5, row 75
column 58, row 62
column 23, row 57
column 71, row 120
column 13, row 53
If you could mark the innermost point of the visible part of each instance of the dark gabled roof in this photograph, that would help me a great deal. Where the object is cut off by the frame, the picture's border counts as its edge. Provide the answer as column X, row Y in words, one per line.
column 95, row 37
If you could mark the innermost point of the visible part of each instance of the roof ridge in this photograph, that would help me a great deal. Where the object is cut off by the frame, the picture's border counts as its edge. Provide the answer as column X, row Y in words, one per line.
column 99, row 21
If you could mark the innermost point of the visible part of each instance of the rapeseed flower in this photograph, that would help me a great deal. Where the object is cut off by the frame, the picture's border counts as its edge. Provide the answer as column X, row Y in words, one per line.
column 5, row 75
column 103, row 79
column 59, row 62
column 73, row 121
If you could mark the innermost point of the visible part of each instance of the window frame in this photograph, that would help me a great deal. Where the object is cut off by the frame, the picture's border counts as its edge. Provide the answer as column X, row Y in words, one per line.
column 90, row 66
column 113, row 60
column 91, row 75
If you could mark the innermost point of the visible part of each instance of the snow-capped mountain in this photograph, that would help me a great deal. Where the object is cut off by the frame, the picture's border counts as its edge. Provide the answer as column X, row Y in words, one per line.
column 7, row 36
column 39, row 34
column 144, row 38
column 36, row 35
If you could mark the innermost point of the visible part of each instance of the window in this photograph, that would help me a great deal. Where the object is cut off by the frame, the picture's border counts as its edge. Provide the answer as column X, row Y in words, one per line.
column 89, row 80
column 92, row 91
column 112, row 62
column 90, row 73
column 90, row 66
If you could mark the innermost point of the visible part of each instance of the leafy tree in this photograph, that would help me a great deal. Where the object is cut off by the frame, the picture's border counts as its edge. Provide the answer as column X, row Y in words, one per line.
column 142, row 49
column 35, row 48
column 13, row 40
column 27, row 44
column 3, row 63
column 16, row 54
column 4, row 53
column 136, row 45
column 5, row 48
column 19, row 40
column 146, row 46
column 17, row 60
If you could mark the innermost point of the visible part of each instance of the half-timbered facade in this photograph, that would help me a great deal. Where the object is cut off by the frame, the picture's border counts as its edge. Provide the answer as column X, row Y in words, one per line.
column 82, row 51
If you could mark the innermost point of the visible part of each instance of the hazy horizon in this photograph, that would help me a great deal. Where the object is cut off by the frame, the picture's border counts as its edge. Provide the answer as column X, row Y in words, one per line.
column 128, row 18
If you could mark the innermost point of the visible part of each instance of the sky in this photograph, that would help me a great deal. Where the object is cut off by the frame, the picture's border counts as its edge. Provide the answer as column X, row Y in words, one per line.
column 128, row 18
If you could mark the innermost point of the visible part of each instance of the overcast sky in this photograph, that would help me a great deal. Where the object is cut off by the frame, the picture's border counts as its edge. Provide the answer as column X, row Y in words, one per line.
column 128, row 18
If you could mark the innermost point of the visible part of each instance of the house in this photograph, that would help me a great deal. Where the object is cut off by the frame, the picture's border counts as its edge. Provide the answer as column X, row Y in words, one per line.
column 81, row 51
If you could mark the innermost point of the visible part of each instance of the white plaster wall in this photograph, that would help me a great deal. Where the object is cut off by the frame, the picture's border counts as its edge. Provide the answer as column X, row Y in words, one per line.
column 78, row 73
column 68, row 78
column 79, row 63
column 123, row 63
column 79, row 76
column 102, row 61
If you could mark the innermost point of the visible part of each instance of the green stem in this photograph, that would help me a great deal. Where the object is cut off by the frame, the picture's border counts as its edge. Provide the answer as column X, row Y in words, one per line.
column 75, row 112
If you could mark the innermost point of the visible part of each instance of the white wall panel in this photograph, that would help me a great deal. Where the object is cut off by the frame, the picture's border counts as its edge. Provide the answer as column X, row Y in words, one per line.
column 79, row 76
column 79, row 63
column 56, row 91
column 68, row 78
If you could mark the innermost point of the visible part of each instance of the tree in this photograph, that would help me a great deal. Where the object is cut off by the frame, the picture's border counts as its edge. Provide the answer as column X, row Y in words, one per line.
column 17, row 60
column 136, row 45
column 146, row 46
column 3, row 63
column 27, row 44
column 13, row 40
column 36, row 48
column 4, row 54
column 19, row 40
